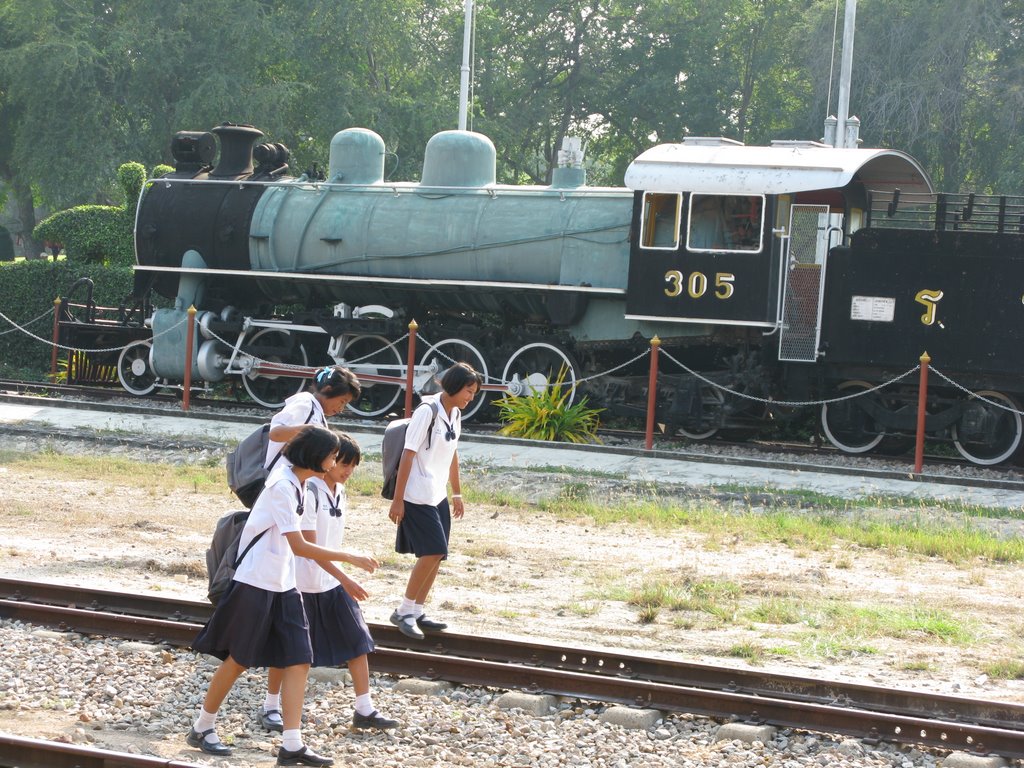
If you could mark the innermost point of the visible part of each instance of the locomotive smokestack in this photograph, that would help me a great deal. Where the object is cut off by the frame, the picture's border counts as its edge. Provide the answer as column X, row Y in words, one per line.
column 236, row 143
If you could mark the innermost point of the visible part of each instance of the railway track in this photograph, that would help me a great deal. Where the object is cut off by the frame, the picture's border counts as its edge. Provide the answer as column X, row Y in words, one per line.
column 17, row 752
column 866, row 712
column 786, row 456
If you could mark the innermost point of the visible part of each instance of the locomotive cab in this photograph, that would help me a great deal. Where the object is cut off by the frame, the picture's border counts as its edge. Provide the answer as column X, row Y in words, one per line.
column 728, row 234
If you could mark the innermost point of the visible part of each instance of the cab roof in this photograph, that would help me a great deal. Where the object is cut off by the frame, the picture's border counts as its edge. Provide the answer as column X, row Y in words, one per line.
column 725, row 166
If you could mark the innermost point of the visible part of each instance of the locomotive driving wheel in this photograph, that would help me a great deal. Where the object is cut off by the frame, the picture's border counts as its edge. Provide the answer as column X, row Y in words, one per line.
column 373, row 356
column 273, row 346
column 706, row 424
column 134, row 370
column 847, row 426
column 535, row 367
column 990, row 429
column 444, row 354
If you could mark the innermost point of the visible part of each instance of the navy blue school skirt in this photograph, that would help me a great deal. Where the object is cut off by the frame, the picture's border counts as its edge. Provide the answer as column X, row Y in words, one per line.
column 257, row 628
column 424, row 530
column 337, row 629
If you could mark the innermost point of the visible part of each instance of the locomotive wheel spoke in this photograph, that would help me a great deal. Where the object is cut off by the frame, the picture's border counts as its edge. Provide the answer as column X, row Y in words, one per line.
column 444, row 354
column 987, row 434
column 848, row 426
column 535, row 367
column 274, row 346
column 373, row 356
column 134, row 370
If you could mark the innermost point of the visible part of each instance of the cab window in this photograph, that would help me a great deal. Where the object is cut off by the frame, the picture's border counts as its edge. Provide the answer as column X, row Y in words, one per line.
column 659, row 223
column 725, row 222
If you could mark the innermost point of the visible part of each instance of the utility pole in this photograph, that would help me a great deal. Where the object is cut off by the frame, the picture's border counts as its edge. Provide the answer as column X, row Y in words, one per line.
column 467, row 39
column 845, row 75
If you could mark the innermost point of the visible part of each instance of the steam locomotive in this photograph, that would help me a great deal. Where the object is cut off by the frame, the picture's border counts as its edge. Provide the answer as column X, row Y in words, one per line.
column 772, row 276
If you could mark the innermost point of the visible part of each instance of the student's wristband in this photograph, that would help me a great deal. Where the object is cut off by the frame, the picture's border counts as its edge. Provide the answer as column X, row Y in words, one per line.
column 456, row 495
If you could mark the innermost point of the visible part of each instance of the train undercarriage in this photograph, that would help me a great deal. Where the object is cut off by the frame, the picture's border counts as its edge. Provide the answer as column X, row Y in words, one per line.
column 733, row 392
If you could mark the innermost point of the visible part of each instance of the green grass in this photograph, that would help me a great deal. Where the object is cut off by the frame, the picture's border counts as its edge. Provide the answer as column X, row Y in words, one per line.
column 204, row 476
column 1005, row 669
column 819, row 524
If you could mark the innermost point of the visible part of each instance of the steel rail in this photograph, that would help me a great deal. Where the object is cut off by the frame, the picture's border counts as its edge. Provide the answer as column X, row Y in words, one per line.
column 18, row 752
column 596, row 661
column 786, row 705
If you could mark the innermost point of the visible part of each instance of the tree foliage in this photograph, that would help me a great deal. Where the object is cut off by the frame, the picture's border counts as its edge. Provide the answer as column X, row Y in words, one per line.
column 85, row 84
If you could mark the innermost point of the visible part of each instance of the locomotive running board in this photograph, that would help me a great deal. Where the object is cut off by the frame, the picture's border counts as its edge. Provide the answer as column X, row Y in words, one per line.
column 375, row 280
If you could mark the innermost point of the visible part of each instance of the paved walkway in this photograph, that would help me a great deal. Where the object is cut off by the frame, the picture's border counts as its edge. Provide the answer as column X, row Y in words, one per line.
column 661, row 467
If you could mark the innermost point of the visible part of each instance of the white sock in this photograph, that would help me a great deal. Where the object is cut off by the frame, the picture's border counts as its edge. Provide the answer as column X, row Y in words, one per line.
column 407, row 607
column 364, row 704
column 205, row 721
column 272, row 701
column 292, row 740
column 417, row 610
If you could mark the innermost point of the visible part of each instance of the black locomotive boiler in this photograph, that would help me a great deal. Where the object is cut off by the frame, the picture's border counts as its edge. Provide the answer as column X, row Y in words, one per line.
column 789, row 273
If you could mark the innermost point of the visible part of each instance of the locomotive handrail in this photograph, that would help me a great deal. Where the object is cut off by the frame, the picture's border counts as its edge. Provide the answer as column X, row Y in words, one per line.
column 407, row 187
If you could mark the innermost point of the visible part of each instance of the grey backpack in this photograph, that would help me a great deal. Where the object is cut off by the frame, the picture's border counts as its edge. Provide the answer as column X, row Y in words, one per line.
column 222, row 558
column 393, row 445
column 246, row 472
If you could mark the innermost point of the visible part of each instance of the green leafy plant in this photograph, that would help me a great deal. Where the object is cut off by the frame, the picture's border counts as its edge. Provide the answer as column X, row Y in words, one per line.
column 547, row 415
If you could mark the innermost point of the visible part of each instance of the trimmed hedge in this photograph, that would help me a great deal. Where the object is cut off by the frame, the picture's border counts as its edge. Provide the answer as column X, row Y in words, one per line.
column 28, row 289
column 100, row 234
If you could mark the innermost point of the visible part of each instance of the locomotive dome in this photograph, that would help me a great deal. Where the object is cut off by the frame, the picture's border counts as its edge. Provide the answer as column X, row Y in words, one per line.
column 459, row 159
column 357, row 157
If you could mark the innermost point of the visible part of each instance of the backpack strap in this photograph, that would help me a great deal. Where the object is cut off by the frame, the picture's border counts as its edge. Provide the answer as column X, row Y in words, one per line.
column 273, row 461
column 258, row 536
column 433, row 417
column 249, row 546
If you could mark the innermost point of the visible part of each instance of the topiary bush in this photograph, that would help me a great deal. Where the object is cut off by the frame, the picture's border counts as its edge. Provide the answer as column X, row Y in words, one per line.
column 99, row 234
column 27, row 292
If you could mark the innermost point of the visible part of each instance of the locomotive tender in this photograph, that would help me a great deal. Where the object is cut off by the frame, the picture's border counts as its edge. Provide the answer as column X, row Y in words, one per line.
column 782, row 273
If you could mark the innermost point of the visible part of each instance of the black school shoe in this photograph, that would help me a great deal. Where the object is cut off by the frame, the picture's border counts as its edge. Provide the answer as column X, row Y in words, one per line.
column 198, row 740
column 269, row 723
column 373, row 720
column 304, row 756
column 407, row 625
column 429, row 625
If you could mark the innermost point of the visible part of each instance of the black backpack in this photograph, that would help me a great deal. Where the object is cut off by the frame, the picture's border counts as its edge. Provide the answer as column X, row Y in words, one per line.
column 246, row 471
column 392, row 446
column 222, row 558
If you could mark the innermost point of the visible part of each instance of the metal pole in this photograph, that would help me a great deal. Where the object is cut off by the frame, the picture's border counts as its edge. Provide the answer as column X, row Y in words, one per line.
column 922, row 399
column 190, row 329
column 409, row 368
column 652, row 393
column 846, row 72
column 467, row 37
column 56, row 340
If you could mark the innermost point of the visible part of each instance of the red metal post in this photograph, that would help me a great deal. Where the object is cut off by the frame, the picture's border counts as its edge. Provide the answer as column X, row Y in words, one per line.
column 922, row 399
column 652, row 393
column 410, row 365
column 190, row 330
column 56, row 340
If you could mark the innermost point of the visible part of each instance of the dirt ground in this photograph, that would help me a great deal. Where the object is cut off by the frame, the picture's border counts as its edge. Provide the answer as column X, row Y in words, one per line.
column 517, row 571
